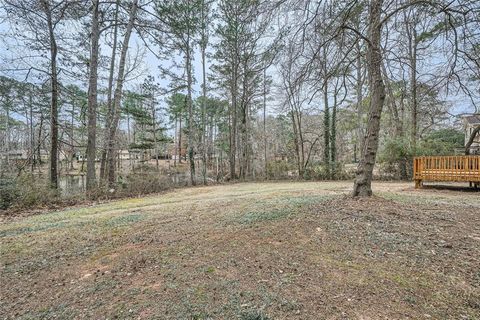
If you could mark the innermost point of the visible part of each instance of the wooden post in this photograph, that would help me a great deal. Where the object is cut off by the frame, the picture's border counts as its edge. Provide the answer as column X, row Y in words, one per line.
column 418, row 184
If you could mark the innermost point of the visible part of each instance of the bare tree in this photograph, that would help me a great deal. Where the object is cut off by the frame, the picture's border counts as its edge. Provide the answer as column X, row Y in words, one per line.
column 112, row 123
column 110, row 86
column 92, row 96
column 181, row 25
column 41, row 20
column 363, row 180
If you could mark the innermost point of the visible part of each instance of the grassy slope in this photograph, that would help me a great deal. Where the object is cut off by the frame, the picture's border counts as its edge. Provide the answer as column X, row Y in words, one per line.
column 283, row 250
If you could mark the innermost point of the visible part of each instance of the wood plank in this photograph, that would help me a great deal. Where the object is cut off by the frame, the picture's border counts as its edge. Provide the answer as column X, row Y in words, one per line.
column 447, row 168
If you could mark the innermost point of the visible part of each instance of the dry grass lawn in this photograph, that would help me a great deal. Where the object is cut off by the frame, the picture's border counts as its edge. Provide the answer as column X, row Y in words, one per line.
column 249, row 251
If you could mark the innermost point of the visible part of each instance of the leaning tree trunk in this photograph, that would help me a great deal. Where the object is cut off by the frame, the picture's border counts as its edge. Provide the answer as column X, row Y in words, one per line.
column 363, row 180
column 469, row 143
column 109, row 95
column 54, row 102
column 92, row 100
column 117, row 97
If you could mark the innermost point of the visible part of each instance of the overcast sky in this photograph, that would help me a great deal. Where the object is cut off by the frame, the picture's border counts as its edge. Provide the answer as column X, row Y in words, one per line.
column 150, row 66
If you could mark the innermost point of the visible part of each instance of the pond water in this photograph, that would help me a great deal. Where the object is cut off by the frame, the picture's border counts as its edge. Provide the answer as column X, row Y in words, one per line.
column 72, row 184
column 76, row 184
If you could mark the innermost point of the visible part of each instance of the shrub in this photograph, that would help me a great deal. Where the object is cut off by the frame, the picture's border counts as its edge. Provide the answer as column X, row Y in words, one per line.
column 280, row 169
column 8, row 192
column 340, row 173
column 29, row 191
column 397, row 153
column 394, row 159
column 33, row 191
column 138, row 183
column 334, row 172
column 26, row 191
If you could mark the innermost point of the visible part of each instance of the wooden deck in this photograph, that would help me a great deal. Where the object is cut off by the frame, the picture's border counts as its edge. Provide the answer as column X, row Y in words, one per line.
column 447, row 168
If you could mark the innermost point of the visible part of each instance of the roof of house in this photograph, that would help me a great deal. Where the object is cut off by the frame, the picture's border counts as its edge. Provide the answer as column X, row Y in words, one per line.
column 473, row 119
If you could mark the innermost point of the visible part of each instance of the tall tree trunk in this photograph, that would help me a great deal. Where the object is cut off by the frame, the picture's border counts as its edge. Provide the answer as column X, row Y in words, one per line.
column 204, row 90
column 397, row 120
column 243, row 129
column 154, row 117
column 412, row 38
column 359, row 89
column 180, row 139
column 363, row 181
column 204, row 134
column 72, row 132
column 175, row 141
column 300, row 139
column 54, row 101
column 32, row 131
column 296, row 142
column 412, row 52
column 233, row 127
column 7, row 134
column 92, row 99
column 265, row 120
column 190, row 112
column 117, row 96
column 39, row 141
column 333, row 137
column 103, row 162
column 326, row 131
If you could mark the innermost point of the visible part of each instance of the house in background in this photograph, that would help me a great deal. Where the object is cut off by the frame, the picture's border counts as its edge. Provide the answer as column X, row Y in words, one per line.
column 470, row 123
column 19, row 154
column 172, row 151
column 125, row 154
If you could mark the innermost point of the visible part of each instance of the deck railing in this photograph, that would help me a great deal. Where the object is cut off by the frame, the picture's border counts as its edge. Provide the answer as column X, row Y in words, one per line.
column 446, row 168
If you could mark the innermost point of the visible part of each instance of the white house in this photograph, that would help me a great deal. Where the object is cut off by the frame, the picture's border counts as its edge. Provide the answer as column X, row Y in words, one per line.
column 470, row 123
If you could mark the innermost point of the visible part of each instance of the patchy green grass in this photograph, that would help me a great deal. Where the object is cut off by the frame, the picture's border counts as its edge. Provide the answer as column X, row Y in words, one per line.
column 286, row 250
column 287, row 207
column 265, row 215
column 431, row 196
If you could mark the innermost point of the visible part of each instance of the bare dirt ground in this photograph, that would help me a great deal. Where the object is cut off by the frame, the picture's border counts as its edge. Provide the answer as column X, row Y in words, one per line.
column 249, row 251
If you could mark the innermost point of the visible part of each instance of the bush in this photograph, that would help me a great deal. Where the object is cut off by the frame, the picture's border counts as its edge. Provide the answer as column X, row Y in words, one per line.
column 340, row 173
column 394, row 161
column 134, row 184
column 29, row 191
column 26, row 191
column 397, row 153
column 8, row 192
column 280, row 169
column 321, row 172
column 138, row 183
column 33, row 191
